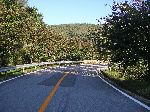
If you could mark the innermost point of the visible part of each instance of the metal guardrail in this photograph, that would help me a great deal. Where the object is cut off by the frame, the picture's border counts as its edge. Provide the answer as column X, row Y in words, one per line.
column 5, row 69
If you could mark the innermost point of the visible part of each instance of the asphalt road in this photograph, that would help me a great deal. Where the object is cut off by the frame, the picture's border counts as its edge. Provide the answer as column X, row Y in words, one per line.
column 80, row 91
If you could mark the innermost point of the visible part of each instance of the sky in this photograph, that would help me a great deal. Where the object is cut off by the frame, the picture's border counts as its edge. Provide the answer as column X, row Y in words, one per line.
column 71, row 11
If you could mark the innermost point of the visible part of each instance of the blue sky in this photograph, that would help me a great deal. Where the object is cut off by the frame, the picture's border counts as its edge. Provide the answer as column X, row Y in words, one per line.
column 71, row 11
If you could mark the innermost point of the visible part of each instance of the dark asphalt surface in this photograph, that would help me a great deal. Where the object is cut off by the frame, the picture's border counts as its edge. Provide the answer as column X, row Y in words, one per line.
column 80, row 91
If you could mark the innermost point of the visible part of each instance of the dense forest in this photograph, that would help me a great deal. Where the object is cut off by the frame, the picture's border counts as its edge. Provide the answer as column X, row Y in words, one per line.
column 74, row 30
column 25, row 38
column 124, row 38
column 79, row 44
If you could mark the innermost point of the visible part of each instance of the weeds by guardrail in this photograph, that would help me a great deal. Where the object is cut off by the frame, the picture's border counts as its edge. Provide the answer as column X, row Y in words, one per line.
column 12, row 71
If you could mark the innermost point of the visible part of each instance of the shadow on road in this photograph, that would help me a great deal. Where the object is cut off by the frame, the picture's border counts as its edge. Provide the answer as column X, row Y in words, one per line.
column 69, row 80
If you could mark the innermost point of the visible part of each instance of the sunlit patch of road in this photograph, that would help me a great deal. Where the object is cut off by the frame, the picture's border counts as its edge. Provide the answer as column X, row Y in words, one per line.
column 80, row 91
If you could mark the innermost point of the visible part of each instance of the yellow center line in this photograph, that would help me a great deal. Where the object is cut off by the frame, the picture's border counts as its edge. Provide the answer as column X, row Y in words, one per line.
column 49, row 98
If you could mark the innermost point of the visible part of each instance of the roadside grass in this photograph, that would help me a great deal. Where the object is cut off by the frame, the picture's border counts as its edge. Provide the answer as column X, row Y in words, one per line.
column 20, row 71
column 11, row 73
column 136, row 86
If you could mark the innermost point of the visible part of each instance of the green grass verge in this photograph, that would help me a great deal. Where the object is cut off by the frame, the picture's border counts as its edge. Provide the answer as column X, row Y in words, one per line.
column 139, row 87
column 17, row 72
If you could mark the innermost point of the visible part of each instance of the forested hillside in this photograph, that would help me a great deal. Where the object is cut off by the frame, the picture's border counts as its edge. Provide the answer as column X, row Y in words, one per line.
column 78, row 45
column 25, row 38
column 74, row 30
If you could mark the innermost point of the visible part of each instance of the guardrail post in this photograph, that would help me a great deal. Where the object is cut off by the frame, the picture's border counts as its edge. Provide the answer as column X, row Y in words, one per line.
column 23, row 69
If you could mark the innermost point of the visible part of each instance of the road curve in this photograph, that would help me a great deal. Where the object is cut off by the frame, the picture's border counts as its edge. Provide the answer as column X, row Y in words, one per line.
column 80, row 91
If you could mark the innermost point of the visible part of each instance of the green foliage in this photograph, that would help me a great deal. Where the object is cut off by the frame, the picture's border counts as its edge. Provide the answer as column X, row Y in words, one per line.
column 73, row 30
column 25, row 38
column 100, row 43
column 136, row 71
column 127, row 35
column 114, row 74
column 76, row 44
column 139, row 87
column 9, row 29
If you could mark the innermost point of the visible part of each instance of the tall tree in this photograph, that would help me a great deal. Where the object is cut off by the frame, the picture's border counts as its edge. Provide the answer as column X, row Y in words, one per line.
column 127, row 31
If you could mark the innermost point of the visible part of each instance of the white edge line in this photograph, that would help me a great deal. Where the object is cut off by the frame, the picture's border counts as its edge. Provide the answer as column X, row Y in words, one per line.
column 1, row 82
column 20, row 76
column 23, row 75
column 135, row 100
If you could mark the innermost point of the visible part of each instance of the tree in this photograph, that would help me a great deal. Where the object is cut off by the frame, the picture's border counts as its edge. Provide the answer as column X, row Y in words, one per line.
column 100, row 43
column 76, row 44
column 25, row 38
column 23, row 33
column 10, row 30
column 127, row 31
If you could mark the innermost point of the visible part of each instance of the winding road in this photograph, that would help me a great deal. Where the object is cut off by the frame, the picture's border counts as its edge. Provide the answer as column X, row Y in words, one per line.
column 76, row 88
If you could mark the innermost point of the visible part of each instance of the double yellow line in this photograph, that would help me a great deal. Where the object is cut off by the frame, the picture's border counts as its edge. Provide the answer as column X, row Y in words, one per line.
column 49, row 98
